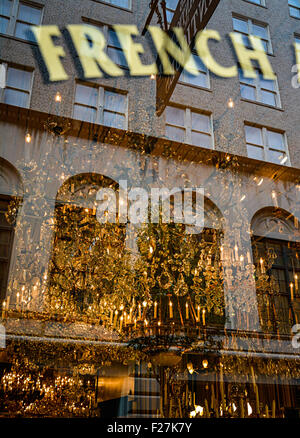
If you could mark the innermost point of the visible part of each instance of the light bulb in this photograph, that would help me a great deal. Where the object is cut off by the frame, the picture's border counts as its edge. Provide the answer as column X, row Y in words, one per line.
column 205, row 363
column 28, row 138
column 58, row 97
column 230, row 103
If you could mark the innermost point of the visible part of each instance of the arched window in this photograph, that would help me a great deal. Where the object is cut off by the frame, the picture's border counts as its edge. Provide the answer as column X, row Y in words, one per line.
column 276, row 250
column 86, row 253
column 10, row 197
column 184, row 273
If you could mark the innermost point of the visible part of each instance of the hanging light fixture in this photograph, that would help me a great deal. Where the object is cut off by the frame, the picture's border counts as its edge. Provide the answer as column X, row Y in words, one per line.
column 28, row 138
column 230, row 103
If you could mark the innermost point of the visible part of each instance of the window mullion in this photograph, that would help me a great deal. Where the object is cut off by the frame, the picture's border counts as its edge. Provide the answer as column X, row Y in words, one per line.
column 100, row 110
column 188, row 126
column 265, row 143
column 13, row 17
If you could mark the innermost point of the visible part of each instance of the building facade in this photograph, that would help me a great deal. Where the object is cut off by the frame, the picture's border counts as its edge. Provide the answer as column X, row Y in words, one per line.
column 149, row 319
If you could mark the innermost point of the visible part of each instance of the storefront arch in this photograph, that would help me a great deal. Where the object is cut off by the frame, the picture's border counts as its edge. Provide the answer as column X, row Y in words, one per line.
column 84, row 254
column 276, row 254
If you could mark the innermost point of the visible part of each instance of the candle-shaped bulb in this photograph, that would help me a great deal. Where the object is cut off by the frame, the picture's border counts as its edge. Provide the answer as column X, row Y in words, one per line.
column 28, row 138
column 186, row 311
column 58, row 97
column 230, row 103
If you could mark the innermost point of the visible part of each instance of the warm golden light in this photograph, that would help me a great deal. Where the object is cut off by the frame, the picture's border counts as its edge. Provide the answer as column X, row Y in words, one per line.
column 230, row 103
column 58, row 97
column 28, row 138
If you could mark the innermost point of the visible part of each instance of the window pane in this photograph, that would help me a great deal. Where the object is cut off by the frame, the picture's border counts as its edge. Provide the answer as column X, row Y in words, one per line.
column 260, row 31
column 115, row 101
column 248, row 92
column 17, row 78
column 294, row 3
column 121, row 3
column 268, row 98
column 3, row 24
column 203, row 140
column 15, row 97
column 29, row 14
column 114, row 120
column 117, row 56
column 176, row 134
column 113, row 39
column 85, row 113
column 5, row 7
column 171, row 4
column 276, row 141
column 243, row 79
column 86, row 95
column 240, row 25
column 267, row 84
column 277, row 157
column 24, row 32
column 200, row 122
column 255, row 152
column 175, row 116
column 198, row 81
column 295, row 12
column 253, row 135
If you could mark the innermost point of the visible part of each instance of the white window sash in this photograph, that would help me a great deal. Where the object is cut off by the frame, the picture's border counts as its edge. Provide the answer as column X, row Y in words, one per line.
column 250, row 24
column 188, row 127
column 267, row 147
column 258, row 90
column 100, row 107
column 29, row 92
column 13, row 18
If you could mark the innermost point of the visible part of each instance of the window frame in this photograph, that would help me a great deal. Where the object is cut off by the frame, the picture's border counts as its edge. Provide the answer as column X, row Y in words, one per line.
column 6, row 66
column 258, row 90
column 208, row 87
column 188, row 126
column 265, row 146
column 107, row 2
column 100, row 103
column 13, row 18
column 10, row 229
column 263, row 3
column 294, row 7
column 105, row 28
column 250, row 22
column 285, row 267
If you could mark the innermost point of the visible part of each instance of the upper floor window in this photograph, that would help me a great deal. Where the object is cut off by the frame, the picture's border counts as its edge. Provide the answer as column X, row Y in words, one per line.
column 98, row 105
column 121, row 3
column 113, row 48
column 188, row 126
column 18, row 84
column 294, row 6
column 201, row 80
column 258, row 2
column 260, row 89
column 266, row 144
column 171, row 6
column 246, row 27
column 16, row 17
